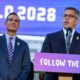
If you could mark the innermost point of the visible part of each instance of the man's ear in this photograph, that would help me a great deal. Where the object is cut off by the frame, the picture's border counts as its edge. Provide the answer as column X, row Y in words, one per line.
column 77, row 21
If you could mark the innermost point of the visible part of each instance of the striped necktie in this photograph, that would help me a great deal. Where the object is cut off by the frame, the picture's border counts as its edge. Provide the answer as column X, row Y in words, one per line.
column 10, row 49
column 68, row 38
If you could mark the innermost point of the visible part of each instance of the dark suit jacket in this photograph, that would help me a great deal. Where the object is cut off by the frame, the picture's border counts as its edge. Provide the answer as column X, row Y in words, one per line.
column 55, row 43
column 20, row 67
column 31, row 75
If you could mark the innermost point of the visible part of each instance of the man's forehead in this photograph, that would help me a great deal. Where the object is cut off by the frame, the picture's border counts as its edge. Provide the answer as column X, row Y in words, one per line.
column 13, row 16
column 69, row 11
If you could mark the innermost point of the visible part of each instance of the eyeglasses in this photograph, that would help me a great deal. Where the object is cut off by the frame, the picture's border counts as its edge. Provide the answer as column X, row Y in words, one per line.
column 70, row 16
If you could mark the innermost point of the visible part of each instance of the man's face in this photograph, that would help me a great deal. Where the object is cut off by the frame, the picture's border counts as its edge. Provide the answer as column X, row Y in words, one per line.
column 69, row 19
column 12, row 23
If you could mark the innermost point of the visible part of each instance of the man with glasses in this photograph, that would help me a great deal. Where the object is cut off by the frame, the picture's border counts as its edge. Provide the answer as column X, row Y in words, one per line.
column 56, row 42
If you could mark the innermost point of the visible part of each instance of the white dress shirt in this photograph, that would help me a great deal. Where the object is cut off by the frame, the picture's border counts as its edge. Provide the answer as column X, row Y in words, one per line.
column 73, row 31
column 13, row 40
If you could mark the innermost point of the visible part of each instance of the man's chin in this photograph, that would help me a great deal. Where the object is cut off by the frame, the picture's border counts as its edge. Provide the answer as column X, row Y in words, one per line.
column 66, row 27
column 12, row 30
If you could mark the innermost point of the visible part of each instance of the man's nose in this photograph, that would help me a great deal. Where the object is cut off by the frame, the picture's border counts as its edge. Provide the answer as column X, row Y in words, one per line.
column 13, row 21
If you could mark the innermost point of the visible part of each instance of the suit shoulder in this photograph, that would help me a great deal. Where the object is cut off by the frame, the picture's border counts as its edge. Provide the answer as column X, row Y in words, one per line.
column 54, row 34
column 22, row 41
column 77, row 33
column 2, row 37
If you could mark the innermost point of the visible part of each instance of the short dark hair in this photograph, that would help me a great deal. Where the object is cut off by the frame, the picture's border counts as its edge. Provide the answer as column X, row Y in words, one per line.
column 13, row 13
column 76, row 10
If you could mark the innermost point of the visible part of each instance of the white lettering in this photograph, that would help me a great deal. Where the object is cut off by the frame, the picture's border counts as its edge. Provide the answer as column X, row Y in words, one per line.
column 74, row 63
column 31, row 13
column 8, row 9
column 48, row 62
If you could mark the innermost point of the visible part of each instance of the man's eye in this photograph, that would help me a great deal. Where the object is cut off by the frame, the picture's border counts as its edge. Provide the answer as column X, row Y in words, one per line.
column 10, row 19
column 16, row 20
column 13, row 20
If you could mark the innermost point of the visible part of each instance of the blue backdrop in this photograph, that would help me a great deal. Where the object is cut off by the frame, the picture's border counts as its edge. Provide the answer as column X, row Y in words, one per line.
column 38, row 17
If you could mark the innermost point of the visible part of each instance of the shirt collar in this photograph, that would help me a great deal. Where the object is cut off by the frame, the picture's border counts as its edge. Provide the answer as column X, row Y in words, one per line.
column 64, row 30
column 8, row 36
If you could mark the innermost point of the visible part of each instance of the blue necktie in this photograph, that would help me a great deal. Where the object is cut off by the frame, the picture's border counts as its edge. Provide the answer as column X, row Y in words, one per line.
column 10, row 49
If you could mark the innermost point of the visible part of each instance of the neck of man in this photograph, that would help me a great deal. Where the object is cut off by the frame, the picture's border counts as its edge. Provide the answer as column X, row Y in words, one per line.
column 71, row 27
column 11, row 33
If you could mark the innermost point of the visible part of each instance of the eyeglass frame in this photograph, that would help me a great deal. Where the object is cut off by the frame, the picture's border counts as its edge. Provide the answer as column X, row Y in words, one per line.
column 69, row 16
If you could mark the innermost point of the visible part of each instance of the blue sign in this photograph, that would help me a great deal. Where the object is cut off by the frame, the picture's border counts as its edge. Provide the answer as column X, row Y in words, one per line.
column 38, row 17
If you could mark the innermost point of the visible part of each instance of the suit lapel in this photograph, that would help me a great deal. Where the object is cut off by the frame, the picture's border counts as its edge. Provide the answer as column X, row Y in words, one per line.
column 4, row 47
column 62, row 42
column 74, row 43
column 16, row 49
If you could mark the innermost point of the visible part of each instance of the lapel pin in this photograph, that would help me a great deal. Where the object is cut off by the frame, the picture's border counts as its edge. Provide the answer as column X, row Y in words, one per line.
column 77, row 38
column 18, row 43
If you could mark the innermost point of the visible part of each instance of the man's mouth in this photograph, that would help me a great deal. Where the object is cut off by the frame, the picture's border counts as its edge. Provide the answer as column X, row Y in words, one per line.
column 66, row 22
